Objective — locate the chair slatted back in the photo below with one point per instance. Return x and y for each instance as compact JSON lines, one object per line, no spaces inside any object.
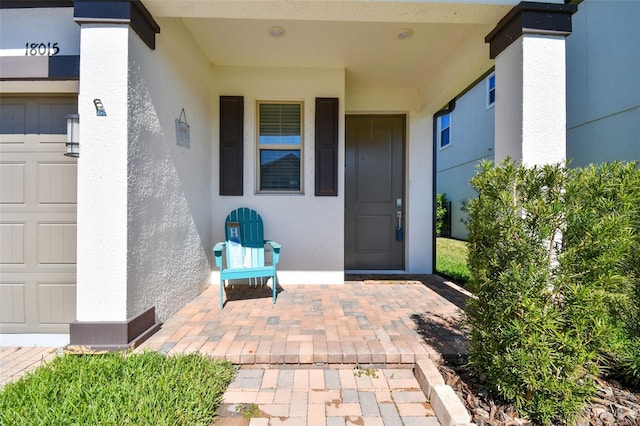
{"x":245,"y":238}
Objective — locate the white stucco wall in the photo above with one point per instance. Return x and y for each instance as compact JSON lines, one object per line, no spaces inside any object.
{"x":309,"y":228}
{"x":102,"y":174}
{"x":472,"y":135}
{"x":169,"y":196}
{"x":418,"y":166}
{"x":531,"y":101}
{"x":603,"y":88}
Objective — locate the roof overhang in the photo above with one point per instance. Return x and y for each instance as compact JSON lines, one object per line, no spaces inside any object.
{"x":445,"y":51}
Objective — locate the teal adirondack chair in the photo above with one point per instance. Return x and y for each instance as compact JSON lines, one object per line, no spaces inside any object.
{"x":244,"y":249}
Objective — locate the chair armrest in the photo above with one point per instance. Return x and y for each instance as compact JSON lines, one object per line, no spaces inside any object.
{"x":217,"y":251}
{"x":275,"y":246}
{"x":276,"y":250}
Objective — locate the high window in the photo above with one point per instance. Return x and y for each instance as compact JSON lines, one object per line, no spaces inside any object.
{"x":444,"y":130}
{"x":491,"y":90}
{"x":280,"y":146}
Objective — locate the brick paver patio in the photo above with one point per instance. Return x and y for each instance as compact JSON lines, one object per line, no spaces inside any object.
{"x":378,"y":322}
{"x":306,"y":360}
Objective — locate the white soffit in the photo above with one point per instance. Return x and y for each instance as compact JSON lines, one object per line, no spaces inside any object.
{"x":371,"y":53}
{"x":421,"y":11}
{"x":358,"y":35}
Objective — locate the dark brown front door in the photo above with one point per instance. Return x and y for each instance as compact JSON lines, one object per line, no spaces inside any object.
{"x":374,"y":192}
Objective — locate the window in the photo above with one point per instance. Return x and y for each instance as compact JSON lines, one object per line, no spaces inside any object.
{"x":444,"y":130}
{"x":491,"y":90}
{"x":279,"y":146}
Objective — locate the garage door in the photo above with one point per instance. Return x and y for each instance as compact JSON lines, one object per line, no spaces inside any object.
{"x":37,"y":216}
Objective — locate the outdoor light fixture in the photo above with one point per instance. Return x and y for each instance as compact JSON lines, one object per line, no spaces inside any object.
{"x":73,"y":130}
{"x":277,"y":32}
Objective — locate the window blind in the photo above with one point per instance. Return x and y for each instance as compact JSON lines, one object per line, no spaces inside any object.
{"x":280,"y":119}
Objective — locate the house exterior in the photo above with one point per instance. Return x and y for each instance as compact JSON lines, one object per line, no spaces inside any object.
{"x":603,"y":104}
{"x":317,"y":114}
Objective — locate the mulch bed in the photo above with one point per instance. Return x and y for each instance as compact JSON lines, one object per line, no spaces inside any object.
{"x":613,"y":404}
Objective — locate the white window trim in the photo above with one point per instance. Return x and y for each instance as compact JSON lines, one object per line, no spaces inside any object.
{"x":440,"y":129}
{"x":488,"y":89}
{"x":283,"y":147}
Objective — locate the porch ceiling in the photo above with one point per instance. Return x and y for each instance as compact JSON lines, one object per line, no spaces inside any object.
{"x":358,"y":35}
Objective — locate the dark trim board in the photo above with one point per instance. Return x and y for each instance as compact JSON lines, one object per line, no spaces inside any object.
{"x":143,"y":24}
{"x":530,"y":18}
{"x":126,"y":11}
{"x":113,"y":335}
{"x":64,"y":67}
{"x":102,"y":9}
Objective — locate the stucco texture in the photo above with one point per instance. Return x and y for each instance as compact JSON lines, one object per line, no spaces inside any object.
{"x":169,"y":231}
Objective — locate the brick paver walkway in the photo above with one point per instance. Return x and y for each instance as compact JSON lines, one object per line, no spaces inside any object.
{"x":382,"y":323}
{"x":326,"y":397}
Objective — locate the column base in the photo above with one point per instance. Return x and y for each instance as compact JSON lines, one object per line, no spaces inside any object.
{"x":113,"y":336}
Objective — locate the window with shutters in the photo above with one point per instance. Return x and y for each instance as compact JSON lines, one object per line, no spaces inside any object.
{"x":280,"y":147}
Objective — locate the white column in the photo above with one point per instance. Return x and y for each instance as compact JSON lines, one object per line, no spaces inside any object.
{"x":530,"y":119}
{"x":102,"y":173}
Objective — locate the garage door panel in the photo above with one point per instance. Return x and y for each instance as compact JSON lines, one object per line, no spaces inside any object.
{"x":57,"y":183}
{"x":51,"y":118}
{"x":13,"y":118}
{"x":12,"y":303}
{"x":57,"y":302}
{"x":57,"y":243}
{"x":12,"y":183}
{"x":12,"y":242}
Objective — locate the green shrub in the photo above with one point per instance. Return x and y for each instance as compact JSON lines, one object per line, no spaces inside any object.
{"x":600,"y":260}
{"x":552,"y":255}
{"x":118,"y":389}
{"x":441,"y":212}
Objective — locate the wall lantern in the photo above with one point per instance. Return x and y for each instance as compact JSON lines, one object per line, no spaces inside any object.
{"x":73,"y":130}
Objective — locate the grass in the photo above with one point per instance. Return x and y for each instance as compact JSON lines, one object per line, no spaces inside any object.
{"x":249,"y":411}
{"x":118,"y":389}
{"x":371,"y":372}
{"x":451,"y":259}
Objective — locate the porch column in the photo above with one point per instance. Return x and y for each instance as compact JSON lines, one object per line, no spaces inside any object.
{"x":102,"y":252}
{"x":528,"y":46}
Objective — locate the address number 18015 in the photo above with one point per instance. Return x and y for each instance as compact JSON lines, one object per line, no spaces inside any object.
{"x":41,"y":49}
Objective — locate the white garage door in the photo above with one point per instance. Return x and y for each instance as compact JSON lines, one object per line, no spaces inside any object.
{"x":37,"y":216}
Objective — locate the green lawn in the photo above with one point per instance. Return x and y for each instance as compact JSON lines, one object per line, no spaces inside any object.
{"x":451,"y":259}
{"x":118,"y":389}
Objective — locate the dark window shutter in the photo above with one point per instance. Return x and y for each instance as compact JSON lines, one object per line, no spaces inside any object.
{"x":326,"y":148}
{"x":231,"y":144}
